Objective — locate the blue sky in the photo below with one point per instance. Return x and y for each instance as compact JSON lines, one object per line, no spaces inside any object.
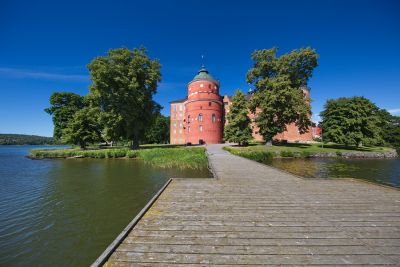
{"x":46,"y":45}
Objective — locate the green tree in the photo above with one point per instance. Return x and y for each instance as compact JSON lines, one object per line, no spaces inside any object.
{"x":392,"y":134}
{"x":158,"y":133}
{"x":112,"y":126}
{"x":83,"y":128}
{"x":238,"y":129}
{"x":124,"y":83}
{"x":278,"y":95}
{"x":390,"y":128}
{"x":351,"y":121}
{"x":63,"y":107}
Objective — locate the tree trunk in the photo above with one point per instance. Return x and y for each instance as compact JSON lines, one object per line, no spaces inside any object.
{"x":135,"y":143}
{"x":82,"y":145}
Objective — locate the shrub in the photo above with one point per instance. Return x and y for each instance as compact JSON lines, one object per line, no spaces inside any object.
{"x":132,"y":154}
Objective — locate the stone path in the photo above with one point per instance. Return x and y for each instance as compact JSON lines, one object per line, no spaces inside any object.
{"x":254,"y":215}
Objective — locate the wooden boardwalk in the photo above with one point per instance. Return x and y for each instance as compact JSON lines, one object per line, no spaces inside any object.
{"x":255,"y":215}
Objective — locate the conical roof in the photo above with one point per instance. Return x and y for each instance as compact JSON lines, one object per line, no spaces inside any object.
{"x":204,"y":75}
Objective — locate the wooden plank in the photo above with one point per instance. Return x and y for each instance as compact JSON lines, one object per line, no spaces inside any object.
{"x":253,"y":215}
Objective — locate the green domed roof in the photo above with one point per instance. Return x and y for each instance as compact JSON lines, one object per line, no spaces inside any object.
{"x":202,"y":75}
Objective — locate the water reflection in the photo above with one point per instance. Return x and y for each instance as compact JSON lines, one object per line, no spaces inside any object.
{"x":385,"y":171}
{"x":66,"y":212}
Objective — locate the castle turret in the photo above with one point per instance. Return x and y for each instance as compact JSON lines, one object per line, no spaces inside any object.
{"x":203,"y":110}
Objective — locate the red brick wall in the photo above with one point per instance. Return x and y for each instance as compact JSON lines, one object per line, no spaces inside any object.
{"x":204,"y":99}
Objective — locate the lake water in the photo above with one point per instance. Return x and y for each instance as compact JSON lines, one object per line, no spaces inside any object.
{"x":384,"y":171}
{"x":66,"y":212}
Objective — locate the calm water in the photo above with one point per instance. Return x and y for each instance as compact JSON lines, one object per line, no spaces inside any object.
{"x":66,"y":212}
{"x":385,"y":171}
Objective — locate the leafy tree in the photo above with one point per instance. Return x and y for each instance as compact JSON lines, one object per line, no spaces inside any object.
{"x":238,"y":129}
{"x":124,"y":83}
{"x":351,"y":121}
{"x":83,"y":128}
{"x":278,"y":95}
{"x":63,"y":107}
{"x":390,"y":128}
{"x":158,"y":133}
{"x":112,"y":126}
{"x":392,"y":133}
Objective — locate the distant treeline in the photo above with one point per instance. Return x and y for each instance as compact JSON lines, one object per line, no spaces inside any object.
{"x":22,"y":139}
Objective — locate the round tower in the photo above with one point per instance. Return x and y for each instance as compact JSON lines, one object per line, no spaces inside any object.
{"x":203,"y":110}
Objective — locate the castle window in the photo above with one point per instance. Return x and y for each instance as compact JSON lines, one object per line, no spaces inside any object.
{"x":189,"y":129}
{"x":201,"y":85}
{"x":180,"y":125}
{"x":200,"y":128}
{"x":174,"y":124}
{"x":213,"y":118}
{"x":200,"y":118}
{"x":209,"y":86}
{"x":188,"y":118}
{"x":209,"y":104}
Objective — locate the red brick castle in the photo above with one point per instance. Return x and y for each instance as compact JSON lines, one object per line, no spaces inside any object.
{"x":200,"y":117}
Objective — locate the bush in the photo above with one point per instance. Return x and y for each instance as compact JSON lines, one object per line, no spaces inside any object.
{"x":132,"y":154}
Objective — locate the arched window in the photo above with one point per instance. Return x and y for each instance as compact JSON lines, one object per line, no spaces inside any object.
{"x":200,"y":118}
{"x":189,"y":129}
{"x":213,"y":118}
{"x":188,"y":118}
{"x":200,"y":128}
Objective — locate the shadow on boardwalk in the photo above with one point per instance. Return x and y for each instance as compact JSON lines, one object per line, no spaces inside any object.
{"x":256,"y":215}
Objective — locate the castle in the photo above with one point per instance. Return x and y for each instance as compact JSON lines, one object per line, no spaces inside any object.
{"x":200,"y":117}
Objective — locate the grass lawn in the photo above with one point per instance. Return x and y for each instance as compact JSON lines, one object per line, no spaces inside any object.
{"x":163,"y":156}
{"x":260,"y":152}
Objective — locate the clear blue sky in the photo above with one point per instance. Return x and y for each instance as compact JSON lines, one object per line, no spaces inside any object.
{"x":46,"y":45}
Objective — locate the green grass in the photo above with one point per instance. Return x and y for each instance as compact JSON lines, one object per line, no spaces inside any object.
{"x":257,"y":155}
{"x":165,"y":157}
{"x":260,"y":152}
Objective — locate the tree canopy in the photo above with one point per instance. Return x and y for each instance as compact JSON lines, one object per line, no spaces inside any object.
{"x":351,"y":121}
{"x":278,"y":96}
{"x":158,"y":132}
{"x":390,"y":128}
{"x":238,"y":129}
{"x":124,"y":83}
{"x":83,"y":128}
{"x":63,"y":107}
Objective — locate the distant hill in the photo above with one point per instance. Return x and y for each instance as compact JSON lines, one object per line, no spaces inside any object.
{"x":23,"y":139}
